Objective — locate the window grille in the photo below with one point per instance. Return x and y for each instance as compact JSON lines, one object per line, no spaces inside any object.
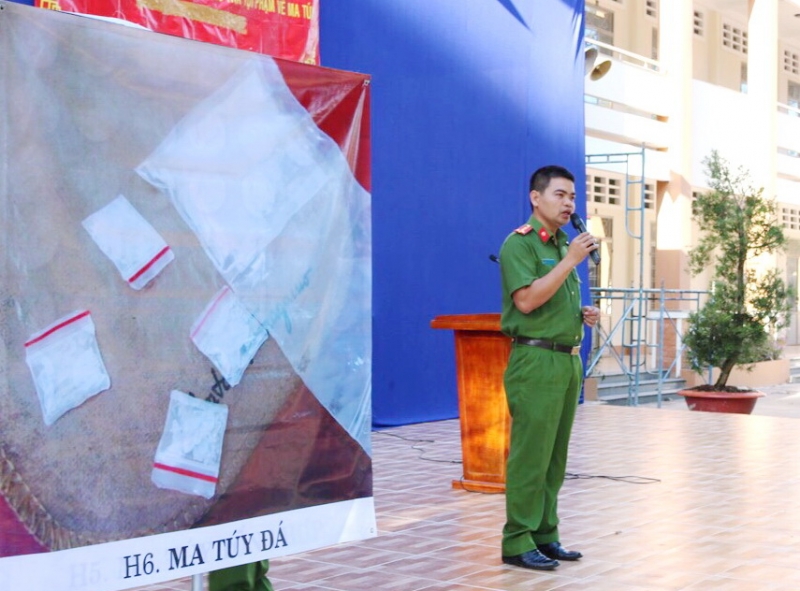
{"x":602,"y":189}
{"x":699,"y":23}
{"x":790,"y":218}
{"x":734,"y":38}
{"x":791,"y":60}
{"x":649,"y":196}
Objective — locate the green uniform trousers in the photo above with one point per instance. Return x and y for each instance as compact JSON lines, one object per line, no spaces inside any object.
{"x":246,"y":577}
{"x":542,"y":389}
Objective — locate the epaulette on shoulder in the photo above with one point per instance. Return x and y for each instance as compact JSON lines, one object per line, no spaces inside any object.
{"x":524,"y":229}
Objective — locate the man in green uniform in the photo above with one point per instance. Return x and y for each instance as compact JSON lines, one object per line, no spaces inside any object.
{"x":542,"y":312}
{"x":245,"y":577}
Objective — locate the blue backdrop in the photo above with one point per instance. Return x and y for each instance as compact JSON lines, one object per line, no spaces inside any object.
{"x":468,"y":98}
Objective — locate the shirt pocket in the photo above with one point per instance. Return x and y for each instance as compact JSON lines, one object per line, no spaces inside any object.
{"x":544,"y":266}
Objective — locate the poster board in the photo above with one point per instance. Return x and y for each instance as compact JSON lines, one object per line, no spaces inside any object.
{"x":250,"y":290}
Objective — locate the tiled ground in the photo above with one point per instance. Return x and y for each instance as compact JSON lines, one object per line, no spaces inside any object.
{"x":660,"y":500}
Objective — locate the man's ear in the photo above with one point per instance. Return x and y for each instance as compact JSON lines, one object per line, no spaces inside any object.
{"x":534,"y":197}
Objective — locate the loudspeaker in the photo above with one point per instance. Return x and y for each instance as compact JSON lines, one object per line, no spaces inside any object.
{"x":589,"y":56}
{"x":590,"y":68}
{"x":600,"y":70}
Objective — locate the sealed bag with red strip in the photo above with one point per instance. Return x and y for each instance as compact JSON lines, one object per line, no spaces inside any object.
{"x":188,"y":455}
{"x":66,"y":364}
{"x":228,"y":334}
{"x":138,"y":252}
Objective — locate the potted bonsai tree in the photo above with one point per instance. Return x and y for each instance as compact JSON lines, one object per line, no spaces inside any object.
{"x":746,"y":305}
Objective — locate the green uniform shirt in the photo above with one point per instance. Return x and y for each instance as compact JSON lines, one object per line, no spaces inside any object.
{"x":525,"y":257}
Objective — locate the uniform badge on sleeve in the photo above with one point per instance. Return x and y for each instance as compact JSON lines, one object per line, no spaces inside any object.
{"x":524,"y":229}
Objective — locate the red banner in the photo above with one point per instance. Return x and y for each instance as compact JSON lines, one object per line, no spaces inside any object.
{"x":288,"y":30}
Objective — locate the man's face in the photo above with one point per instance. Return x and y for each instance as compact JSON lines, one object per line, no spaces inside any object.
{"x":555,"y":204}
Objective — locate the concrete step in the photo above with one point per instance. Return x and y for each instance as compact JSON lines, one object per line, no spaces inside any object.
{"x":794,"y":370}
{"x":643,"y":398}
{"x":646,"y":380}
{"x":614,"y":388}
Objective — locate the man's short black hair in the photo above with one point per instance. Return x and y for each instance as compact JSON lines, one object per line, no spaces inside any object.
{"x":540,"y":179}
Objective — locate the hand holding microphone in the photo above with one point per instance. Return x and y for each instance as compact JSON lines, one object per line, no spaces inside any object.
{"x":578,"y":224}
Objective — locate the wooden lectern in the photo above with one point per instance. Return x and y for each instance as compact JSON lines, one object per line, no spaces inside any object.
{"x":481,"y":356}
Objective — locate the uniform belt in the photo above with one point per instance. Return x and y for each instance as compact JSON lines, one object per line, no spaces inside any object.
{"x":545,"y":344}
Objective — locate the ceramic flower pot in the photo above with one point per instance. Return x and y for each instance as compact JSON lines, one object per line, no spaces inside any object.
{"x":708,"y":400}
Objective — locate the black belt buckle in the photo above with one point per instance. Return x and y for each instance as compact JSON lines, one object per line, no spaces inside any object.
{"x":549,"y":345}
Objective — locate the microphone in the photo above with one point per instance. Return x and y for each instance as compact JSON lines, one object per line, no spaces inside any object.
{"x":494,"y":258}
{"x":578,"y":224}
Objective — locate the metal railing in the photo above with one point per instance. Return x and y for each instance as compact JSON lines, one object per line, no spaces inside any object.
{"x":627,"y":56}
{"x":640,"y":333}
{"x":788,"y":109}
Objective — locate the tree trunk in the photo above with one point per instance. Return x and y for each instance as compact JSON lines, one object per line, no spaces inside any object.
{"x":724,"y":373}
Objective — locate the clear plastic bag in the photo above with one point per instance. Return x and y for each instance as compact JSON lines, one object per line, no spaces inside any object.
{"x":66,"y":364}
{"x":188,"y":455}
{"x":228,"y":334}
{"x":138,"y":252}
{"x":277,"y":210}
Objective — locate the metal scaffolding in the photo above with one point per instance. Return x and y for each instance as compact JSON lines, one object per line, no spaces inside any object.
{"x":641,"y":350}
{"x":662,"y":311}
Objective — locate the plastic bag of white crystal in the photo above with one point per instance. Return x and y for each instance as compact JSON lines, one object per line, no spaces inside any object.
{"x":66,"y":364}
{"x":188,"y":455}
{"x":137,"y":250}
{"x":228,"y":334}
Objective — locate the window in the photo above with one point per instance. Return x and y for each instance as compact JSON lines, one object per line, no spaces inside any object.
{"x":599,"y":26}
{"x":654,"y":43}
{"x":743,"y":78}
{"x":699,"y":24}
{"x":734,"y":38}
{"x":652,"y":252}
{"x":605,"y":235}
{"x":793,"y":99}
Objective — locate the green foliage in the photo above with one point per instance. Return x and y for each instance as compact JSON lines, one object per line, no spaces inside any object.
{"x":739,"y":224}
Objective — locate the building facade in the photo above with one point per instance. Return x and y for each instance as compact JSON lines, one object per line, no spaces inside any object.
{"x":687,"y":77}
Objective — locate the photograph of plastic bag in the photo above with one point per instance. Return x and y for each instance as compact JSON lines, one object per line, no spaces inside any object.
{"x":268,"y":197}
{"x":110,"y":96}
{"x":228,"y":334}
{"x":66,"y":364}
{"x":188,"y":455}
{"x":138,"y":252}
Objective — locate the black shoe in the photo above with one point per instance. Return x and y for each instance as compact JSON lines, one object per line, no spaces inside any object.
{"x":531,"y":559}
{"x":555,"y":551}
